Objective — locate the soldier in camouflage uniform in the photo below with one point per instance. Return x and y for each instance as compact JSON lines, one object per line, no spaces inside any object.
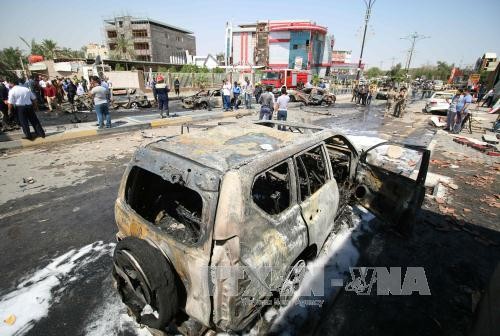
{"x":391,"y":96}
{"x":400,"y":103}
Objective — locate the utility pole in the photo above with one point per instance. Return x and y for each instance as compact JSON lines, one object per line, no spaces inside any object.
{"x":369,"y":4}
{"x":413,"y":38}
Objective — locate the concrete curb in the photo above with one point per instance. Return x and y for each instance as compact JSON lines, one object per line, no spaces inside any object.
{"x":70,"y":135}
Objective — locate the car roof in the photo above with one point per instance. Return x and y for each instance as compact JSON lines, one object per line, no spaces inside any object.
{"x":231,"y":146}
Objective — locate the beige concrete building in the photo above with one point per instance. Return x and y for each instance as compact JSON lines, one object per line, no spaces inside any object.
{"x":94,"y":49}
{"x":151,"y":40}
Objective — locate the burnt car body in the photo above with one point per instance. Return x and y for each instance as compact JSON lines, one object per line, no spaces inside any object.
{"x":128,"y":98}
{"x":193,"y":208}
{"x":312,"y":96}
{"x":204,"y":99}
{"x":382,"y":93}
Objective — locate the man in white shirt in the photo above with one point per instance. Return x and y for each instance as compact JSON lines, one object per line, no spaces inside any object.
{"x":100,"y":95}
{"x":226,"y":95}
{"x":21,"y":99}
{"x":282,"y":107}
{"x":248,"y":89}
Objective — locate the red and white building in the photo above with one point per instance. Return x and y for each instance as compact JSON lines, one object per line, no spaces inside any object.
{"x":299,"y":45}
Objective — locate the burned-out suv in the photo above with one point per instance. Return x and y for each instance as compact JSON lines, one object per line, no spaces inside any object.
{"x":202,"y":215}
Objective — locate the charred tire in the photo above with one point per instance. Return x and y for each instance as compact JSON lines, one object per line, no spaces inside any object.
{"x":292,"y":99}
{"x":144,"y":277}
{"x":134,"y":105}
{"x":203,"y":105}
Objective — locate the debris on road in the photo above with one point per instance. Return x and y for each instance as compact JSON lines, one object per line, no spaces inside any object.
{"x":437,"y":121}
{"x":28,"y":180}
{"x":10,"y":320}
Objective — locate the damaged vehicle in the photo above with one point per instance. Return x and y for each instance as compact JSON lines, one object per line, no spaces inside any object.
{"x":128,"y":98}
{"x":312,"y":96}
{"x":213,"y":222}
{"x":204,"y":99}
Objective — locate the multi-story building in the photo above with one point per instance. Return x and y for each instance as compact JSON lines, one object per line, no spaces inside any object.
{"x":342,"y":66}
{"x":150,"y":40}
{"x":286,"y":44}
{"x":92,"y":50}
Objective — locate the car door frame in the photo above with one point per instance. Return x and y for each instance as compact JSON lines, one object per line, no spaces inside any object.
{"x":372,"y":194}
{"x":317,"y":210}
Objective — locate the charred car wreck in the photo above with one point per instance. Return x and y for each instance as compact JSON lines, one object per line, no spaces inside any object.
{"x":312,"y":96}
{"x":194,"y":208}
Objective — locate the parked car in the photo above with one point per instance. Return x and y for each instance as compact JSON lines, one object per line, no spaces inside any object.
{"x":128,"y":98}
{"x":437,"y":102}
{"x":200,"y":215}
{"x":312,"y":96}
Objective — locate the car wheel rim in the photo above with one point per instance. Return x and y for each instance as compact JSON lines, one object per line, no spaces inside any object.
{"x":134,"y":286}
{"x":292,"y":282}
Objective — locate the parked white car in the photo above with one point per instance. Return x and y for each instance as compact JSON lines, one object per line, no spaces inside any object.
{"x":437,"y":102}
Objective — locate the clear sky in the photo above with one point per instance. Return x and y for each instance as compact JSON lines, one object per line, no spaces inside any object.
{"x":460,"y":31}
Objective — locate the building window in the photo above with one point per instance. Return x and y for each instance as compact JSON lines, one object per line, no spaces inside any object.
{"x":141,"y":46}
{"x":112,"y":33}
{"x":295,"y":47}
{"x":146,"y":58}
{"x":179,"y":39}
{"x":120,"y":24}
{"x":167,"y":36}
{"x":112,"y":46}
{"x":140,"y":33}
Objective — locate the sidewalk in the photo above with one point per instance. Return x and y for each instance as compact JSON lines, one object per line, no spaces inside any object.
{"x":66,"y":132}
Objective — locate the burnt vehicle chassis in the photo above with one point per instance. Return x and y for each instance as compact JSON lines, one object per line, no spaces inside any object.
{"x":313,"y":96}
{"x":192,"y":208}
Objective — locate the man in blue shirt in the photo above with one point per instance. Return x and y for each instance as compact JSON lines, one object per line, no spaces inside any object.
{"x":462,"y":105}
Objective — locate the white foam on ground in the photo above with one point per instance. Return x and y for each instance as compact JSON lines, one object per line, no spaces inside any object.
{"x":332,"y":264}
{"x":32,"y":298}
{"x":111,"y":318}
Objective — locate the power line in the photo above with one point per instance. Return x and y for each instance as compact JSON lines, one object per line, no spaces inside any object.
{"x":413,"y":38}
{"x":369,"y":4}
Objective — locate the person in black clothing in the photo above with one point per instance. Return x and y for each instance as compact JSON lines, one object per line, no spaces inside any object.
{"x":177,"y":85}
{"x":71,"y":92}
{"x":160,"y":91}
{"x":4,"y":95}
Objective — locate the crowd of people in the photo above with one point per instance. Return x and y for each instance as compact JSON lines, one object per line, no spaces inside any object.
{"x":21,"y":98}
{"x":362,"y":94}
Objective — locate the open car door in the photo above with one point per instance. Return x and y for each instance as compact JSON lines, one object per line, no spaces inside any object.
{"x":390,"y":181}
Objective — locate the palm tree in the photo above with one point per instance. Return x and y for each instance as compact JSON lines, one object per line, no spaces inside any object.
{"x":124,"y":48}
{"x":50,"y":48}
{"x":10,"y":59}
{"x":34,"y":47}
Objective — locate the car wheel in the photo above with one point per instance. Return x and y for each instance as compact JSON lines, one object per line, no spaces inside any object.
{"x":203,"y":105}
{"x":145,"y":281}
{"x":134,"y":105}
{"x":292,"y":99}
{"x":292,"y":282}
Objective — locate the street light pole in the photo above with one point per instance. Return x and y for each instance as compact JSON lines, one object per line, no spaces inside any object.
{"x":369,"y":4}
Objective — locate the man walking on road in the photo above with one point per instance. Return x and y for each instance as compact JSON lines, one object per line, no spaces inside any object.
{"x":248,"y":89}
{"x":100,"y":95}
{"x":462,"y":111}
{"x":266,"y":100}
{"x":177,"y":86}
{"x":282,"y":107}
{"x":161,"y":91}
{"x":50,"y":94}
{"x":22,"y":99}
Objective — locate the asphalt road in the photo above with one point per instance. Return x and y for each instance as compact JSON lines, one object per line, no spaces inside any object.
{"x":58,"y":235}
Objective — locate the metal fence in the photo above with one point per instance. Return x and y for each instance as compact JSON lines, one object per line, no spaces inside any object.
{"x":198,"y":80}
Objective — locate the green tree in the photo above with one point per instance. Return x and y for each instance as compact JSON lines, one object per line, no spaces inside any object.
{"x":10,"y":59}
{"x":119,"y":67}
{"x":374,"y":72}
{"x":218,"y":70}
{"x":49,"y":48}
{"x":124,"y":49}
{"x":396,"y":73}
{"x":34,"y":47}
